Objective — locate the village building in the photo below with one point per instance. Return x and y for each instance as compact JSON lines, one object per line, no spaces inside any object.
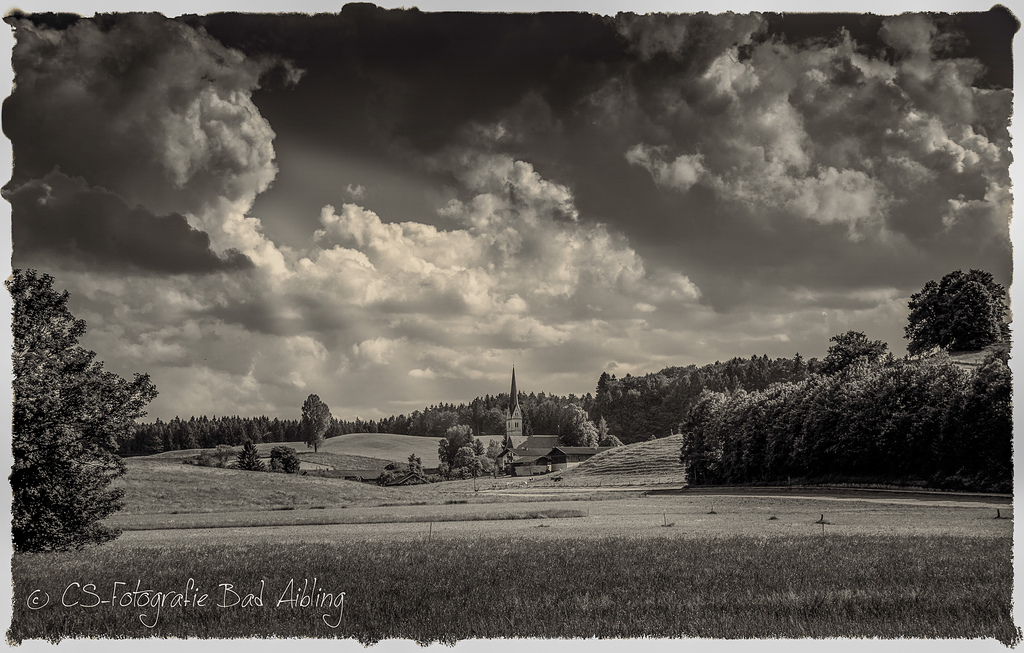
{"x":538,"y":454}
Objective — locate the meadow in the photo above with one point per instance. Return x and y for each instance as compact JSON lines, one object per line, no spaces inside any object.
{"x":490,"y":587}
{"x":617,"y":553}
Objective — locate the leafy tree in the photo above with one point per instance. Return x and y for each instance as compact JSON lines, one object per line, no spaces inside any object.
{"x":577,"y":430}
{"x":456,"y":437}
{"x":284,"y":459}
{"x":316,"y":417}
{"x":415,"y":463}
{"x":963,"y":311}
{"x":222,"y":455}
{"x":851,"y":347}
{"x":478,"y":447}
{"x":493,"y":449}
{"x":249,"y":458}
{"x":68,"y":419}
{"x":466,"y":460}
{"x":609,"y":441}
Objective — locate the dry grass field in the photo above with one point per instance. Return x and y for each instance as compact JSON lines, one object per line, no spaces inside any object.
{"x":604,"y":559}
{"x":449,"y":589}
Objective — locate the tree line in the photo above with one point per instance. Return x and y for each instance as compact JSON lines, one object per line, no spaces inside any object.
{"x":875,"y":420}
{"x":867,"y":416}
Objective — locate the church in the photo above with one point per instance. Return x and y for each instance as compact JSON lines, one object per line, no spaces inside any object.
{"x":538,"y":454}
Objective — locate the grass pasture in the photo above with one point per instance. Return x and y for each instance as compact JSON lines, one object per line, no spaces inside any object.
{"x":445,"y":589}
{"x":382,"y":445}
{"x":155,"y":485}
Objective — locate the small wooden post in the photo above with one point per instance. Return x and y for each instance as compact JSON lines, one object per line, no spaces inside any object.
{"x":664,"y":517}
{"x":431,"y":531}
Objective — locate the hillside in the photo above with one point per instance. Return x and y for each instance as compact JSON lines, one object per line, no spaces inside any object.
{"x":635,"y":464}
{"x":971,"y":360}
{"x":387,"y":446}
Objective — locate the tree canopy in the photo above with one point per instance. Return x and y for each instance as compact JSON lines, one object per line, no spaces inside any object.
{"x":68,"y":417}
{"x":962,"y":311}
{"x":316,"y":417}
{"x":851,"y":347}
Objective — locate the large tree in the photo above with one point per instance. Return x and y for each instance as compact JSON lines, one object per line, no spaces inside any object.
{"x":69,"y":417}
{"x":849,"y":348}
{"x":962,"y":311}
{"x":456,"y":437}
{"x":576,"y":429}
{"x":316,"y":417}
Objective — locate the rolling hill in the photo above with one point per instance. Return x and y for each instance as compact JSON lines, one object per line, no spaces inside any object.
{"x":360,"y":450}
{"x":643,"y":462}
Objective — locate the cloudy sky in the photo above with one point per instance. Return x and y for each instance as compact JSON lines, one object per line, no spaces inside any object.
{"x":388,"y":207}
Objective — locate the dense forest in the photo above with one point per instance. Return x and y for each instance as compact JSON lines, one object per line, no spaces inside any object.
{"x":883,"y":420}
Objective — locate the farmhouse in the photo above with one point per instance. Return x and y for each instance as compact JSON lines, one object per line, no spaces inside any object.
{"x":538,"y":454}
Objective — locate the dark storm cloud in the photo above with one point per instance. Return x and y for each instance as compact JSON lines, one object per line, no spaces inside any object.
{"x":824,"y":141}
{"x":420,"y":77}
{"x":64,"y":218}
{"x":148,"y":108}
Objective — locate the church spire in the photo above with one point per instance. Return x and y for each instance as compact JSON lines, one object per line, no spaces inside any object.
{"x":513,"y":401}
{"x":514,"y":414}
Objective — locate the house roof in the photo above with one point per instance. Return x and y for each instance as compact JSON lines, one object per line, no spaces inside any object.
{"x":581,"y":449}
{"x":410,"y":477}
{"x":529,"y":460}
{"x":539,"y":442}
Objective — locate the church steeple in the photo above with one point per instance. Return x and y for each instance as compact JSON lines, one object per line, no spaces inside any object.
{"x":513,"y":400}
{"x":514,"y":414}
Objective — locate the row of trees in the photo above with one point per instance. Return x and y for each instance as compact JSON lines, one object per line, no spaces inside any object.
{"x":208,"y":432}
{"x":868,"y":415}
{"x":878,"y":418}
{"x":637,"y":408}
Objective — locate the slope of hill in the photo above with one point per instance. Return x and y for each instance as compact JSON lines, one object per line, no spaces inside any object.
{"x":387,"y":446}
{"x":361,"y":450}
{"x":635,"y":464}
{"x":970,"y":360}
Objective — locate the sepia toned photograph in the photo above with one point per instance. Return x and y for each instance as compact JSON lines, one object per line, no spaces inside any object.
{"x":470,"y":328}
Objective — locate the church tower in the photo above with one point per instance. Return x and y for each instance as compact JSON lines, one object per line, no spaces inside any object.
{"x":513,"y":414}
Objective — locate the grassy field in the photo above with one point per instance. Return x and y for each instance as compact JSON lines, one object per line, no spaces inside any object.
{"x":156,"y":485}
{"x":381,"y":448}
{"x":327,"y":516}
{"x":384,"y":445}
{"x":616,"y":515}
{"x":451,"y":589}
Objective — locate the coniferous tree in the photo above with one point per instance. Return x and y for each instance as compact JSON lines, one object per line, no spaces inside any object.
{"x":249,"y":458}
{"x":69,"y":417}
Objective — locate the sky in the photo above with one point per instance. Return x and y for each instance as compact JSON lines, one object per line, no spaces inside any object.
{"x":388,"y":208}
